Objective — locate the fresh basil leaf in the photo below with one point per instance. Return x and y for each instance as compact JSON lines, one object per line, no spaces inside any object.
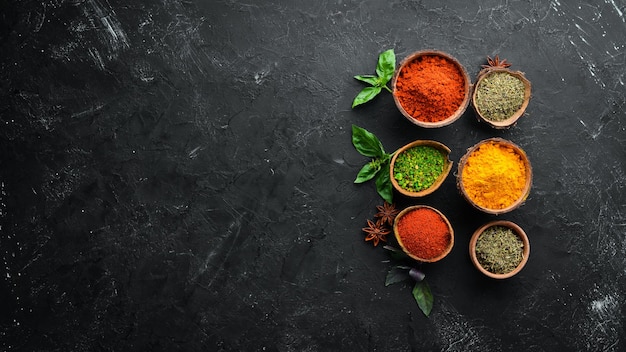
{"x":367,"y":173}
{"x":370,"y":79}
{"x":366,"y":142}
{"x":395,"y":275}
{"x":383,"y":183}
{"x":367,"y":94}
{"x":423,"y":296}
{"x":386,"y":66}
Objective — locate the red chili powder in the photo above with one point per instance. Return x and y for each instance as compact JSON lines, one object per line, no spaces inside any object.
{"x":430,"y":88}
{"x":424,"y":233}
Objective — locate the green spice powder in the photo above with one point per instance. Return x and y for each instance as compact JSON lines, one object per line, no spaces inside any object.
{"x":418,"y":168}
{"x":499,"y":250}
{"x":499,"y":96}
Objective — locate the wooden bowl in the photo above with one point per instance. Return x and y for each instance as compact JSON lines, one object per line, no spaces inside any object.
{"x":433,"y":259}
{"x":446,"y":168}
{"x":504,"y":124}
{"x":466,"y":83}
{"x":527,"y":184}
{"x":517,"y":230}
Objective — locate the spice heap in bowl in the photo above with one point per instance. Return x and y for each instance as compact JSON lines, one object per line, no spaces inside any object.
{"x":495,"y":176}
{"x":423,"y":233}
{"x":420,"y":167}
{"x":431,"y":88}
{"x":500,"y":95}
{"x":499,"y":249}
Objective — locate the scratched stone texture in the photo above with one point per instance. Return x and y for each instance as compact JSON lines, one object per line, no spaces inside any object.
{"x":178,"y":176}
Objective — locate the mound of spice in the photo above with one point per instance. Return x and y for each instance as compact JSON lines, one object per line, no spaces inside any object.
{"x":494,"y":176}
{"x":423,"y":233}
{"x":417,"y":168}
{"x":499,"y":250}
{"x":499,"y":96}
{"x":430,"y":88}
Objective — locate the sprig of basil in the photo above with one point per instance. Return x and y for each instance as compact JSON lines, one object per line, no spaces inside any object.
{"x":421,"y":291}
{"x":367,"y":144}
{"x":384,"y":70}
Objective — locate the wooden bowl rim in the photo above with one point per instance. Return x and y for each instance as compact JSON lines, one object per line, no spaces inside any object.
{"x":464,"y":104}
{"x":504,"y":124}
{"x":517,"y":230}
{"x":440,"y":179}
{"x":397,"y":235}
{"x":527,"y":186}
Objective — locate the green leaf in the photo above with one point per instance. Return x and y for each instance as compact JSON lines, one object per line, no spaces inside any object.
{"x":370,"y":79}
{"x":386,"y":66}
{"x":383,"y":183}
{"x":367,"y":173}
{"x":396,"y":253}
{"x":423,"y":296}
{"x":395,"y":275}
{"x":366,"y":142}
{"x":367,"y":94}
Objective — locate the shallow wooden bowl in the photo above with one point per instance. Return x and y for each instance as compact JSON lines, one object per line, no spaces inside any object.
{"x":527,"y":185}
{"x":517,"y":230}
{"x":446,"y":168}
{"x":504,"y":124}
{"x":459,"y":111}
{"x":443,"y":254}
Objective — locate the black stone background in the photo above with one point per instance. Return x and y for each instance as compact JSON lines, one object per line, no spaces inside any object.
{"x":177,"y":176}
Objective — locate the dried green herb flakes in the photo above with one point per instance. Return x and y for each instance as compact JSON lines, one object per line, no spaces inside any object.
{"x":499,"y":250}
{"x":417,"y":168}
{"x":499,"y":96}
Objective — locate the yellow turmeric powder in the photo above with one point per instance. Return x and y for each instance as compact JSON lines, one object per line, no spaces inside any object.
{"x":494,"y":176}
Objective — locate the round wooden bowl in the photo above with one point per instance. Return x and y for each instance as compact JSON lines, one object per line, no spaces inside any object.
{"x":517,"y":230}
{"x":504,"y":124}
{"x":446,"y":168}
{"x":459,"y":111}
{"x":527,"y":185}
{"x":440,"y":256}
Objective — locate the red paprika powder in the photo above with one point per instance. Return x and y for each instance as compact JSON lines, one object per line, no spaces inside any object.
{"x":430,"y":88}
{"x":423,"y":232}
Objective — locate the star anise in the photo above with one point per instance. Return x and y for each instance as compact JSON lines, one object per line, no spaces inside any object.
{"x":376,"y":232}
{"x":496,"y":62}
{"x":386,"y":213}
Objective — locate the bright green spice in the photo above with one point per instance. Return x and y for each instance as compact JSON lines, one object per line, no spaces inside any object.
{"x":499,"y":250}
{"x":499,"y":96}
{"x":417,"y":168}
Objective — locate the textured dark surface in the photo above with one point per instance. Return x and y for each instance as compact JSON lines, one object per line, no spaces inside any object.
{"x":177,"y":176}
